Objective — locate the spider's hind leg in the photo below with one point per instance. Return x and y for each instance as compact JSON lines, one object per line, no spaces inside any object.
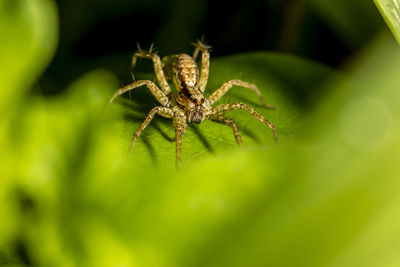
{"x":205,"y":63}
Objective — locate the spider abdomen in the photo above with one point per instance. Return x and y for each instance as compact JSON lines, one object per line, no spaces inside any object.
{"x":185,"y":71}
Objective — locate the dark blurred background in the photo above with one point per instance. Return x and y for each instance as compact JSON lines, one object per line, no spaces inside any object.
{"x":103,"y":34}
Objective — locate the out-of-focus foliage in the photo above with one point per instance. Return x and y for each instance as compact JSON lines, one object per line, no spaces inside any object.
{"x":327,"y":195}
{"x":352,"y":20}
{"x":28,"y":38}
{"x":390,"y":10}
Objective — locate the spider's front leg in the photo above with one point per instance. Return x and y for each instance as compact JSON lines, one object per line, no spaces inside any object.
{"x":221,"y":109}
{"x":214,"y":97}
{"x":162,"y":81}
{"x":163,"y":111}
{"x":157,"y":93}
{"x":230,"y":122}
{"x":205,"y":63}
{"x":180,"y":128}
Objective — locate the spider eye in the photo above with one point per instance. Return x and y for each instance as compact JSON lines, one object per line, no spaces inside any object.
{"x":195,"y":100}
{"x":202,"y":100}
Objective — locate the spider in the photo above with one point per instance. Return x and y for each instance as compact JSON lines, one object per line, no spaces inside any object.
{"x":188,"y":104}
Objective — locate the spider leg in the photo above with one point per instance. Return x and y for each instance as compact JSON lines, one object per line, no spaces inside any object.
{"x":220,"y":109}
{"x":229,"y":84}
{"x":158,"y":94}
{"x":230,"y":122}
{"x":163,"y":111}
{"x":205,"y":63}
{"x":157,"y":67}
{"x":180,"y":128}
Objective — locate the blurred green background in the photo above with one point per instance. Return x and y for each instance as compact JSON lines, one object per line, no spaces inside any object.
{"x":328,"y":195}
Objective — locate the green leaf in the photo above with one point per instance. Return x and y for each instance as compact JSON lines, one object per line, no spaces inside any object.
{"x":285,"y":81}
{"x":28,"y":31}
{"x":327,"y":195}
{"x":390,"y":11}
{"x":141,"y":211}
{"x":28,"y":37}
{"x":318,"y":199}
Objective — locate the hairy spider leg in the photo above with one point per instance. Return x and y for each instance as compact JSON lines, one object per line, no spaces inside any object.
{"x":157,"y":93}
{"x":214,"y":97}
{"x":221,"y":109}
{"x":205,"y":63}
{"x":229,"y":122}
{"x":180,"y":128}
{"x":163,"y":111}
{"x":157,"y":68}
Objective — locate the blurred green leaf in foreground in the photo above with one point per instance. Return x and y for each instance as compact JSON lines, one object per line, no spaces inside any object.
{"x":327,"y":195}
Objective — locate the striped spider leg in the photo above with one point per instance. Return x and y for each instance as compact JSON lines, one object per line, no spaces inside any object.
{"x":219,"y":110}
{"x":160,"y":95}
{"x":214,"y":97}
{"x":205,"y":63}
{"x":163,"y":110}
{"x":158,"y":70}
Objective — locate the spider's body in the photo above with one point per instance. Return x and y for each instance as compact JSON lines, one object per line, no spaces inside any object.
{"x":188,"y":104}
{"x":185,"y":76}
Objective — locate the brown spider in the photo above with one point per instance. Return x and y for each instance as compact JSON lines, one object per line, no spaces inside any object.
{"x":189,"y":103}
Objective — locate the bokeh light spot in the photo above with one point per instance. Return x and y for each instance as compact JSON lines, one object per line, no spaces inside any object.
{"x":365,"y":123}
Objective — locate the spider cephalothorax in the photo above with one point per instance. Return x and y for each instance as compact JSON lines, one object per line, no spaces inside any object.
{"x":185,"y":76}
{"x":188,"y":104}
{"x":195,"y":105}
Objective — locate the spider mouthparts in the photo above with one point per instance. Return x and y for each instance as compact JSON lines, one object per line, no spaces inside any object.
{"x":195,"y":119}
{"x":196,"y":116}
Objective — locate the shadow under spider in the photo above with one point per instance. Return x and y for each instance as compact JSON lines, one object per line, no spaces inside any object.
{"x":155,"y":124}
{"x":254,"y":104}
{"x":150,"y":148}
{"x":136,"y":106}
{"x":206,"y":144}
{"x":249,"y":133}
{"x":144,"y":136}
